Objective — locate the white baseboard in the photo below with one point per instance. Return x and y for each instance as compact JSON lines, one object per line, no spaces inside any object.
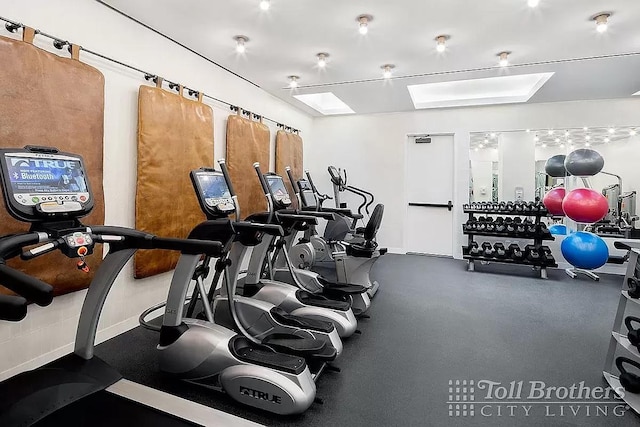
{"x":102,"y":335}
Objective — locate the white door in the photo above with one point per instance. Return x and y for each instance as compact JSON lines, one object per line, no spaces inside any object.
{"x":429,"y":192}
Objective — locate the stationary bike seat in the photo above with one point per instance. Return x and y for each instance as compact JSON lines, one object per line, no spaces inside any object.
{"x":304,"y":347}
{"x":301,"y":322}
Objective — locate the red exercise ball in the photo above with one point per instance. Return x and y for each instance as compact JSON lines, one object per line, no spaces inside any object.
{"x":553,"y":201}
{"x":585,"y":205}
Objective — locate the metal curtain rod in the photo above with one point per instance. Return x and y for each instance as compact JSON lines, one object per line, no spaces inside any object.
{"x":59,"y":43}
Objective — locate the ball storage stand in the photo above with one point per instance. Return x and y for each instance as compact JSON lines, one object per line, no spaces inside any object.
{"x":619,"y":336}
{"x":520,"y":209}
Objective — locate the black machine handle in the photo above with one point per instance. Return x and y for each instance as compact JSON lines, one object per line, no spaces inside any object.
{"x":12,"y":308}
{"x":263,"y":182}
{"x":26,"y":286}
{"x":448,"y":205}
{"x":227,"y":177}
{"x":315,"y":189}
{"x":329,"y":216}
{"x":296,"y":190}
{"x":270,"y":229}
{"x":296,"y":217}
{"x":188,"y":246}
{"x":622,"y":360}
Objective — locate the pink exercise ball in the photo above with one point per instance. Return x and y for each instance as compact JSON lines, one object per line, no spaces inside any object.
{"x":585,"y":205}
{"x":553,"y":201}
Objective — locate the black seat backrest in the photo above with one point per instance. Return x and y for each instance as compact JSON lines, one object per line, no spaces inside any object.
{"x":374,"y":222}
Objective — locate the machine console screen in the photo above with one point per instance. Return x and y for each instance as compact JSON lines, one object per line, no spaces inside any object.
{"x":51,"y":184}
{"x":214,"y":192}
{"x":306,"y":193}
{"x":278,"y":189}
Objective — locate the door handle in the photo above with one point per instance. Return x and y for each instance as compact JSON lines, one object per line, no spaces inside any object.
{"x":447,"y":205}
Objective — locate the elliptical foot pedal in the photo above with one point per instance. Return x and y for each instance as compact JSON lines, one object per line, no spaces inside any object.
{"x":364,"y":316}
{"x":358,"y":331}
{"x":318,"y":401}
{"x":333,"y":368}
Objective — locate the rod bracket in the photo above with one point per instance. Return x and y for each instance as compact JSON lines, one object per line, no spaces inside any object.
{"x":12,"y":27}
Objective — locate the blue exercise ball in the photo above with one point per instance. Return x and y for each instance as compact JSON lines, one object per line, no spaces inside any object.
{"x":558,"y":229}
{"x":585,"y":250}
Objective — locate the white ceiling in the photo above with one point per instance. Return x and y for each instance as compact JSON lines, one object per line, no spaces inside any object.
{"x":285,"y":40}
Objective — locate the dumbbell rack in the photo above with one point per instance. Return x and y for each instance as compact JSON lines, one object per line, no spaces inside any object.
{"x":619,"y":337}
{"x":537,"y":238}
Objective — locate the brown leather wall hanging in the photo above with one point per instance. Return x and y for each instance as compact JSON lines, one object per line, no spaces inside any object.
{"x":289,"y":152}
{"x":49,"y":100}
{"x":247,"y":142}
{"x":175,"y":136}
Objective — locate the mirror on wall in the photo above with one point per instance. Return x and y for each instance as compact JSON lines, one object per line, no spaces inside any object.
{"x":510,"y":165}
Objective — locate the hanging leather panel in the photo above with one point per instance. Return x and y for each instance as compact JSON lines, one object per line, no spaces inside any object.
{"x":289,"y":152}
{"x":247,"y":142}
{"x":175,"y":136}
{"x":49,"y":100}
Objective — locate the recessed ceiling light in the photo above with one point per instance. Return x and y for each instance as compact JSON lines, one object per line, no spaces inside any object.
{"x":492,"y":134}
{"x":486,"y":91}
{"x":533,"y":3}
{"x":586,"y":144}
{"x":486,"y":141}
{"x":322,"y":59}
{"x":265,"y":4}
{"x":632,"y":132}
{"x":544,"y":145}
{"x":607,"y":140}
{"x":612,"y":130}
{"x":293,"y":81}
{"x":561,"y":145}
{"x":557,"y":140}
{"x":387,"y":70}
{"x":602,"y":21}
{"x":326,"y":103}
{"x":536,"y":138}
{"x":588,"y":137}
{"x":504,"y":59}
{"x":481,"y":146}
{"x":441,"y":43}
{"x":528,"y":130}
{"x":550,"y":132}
{"x":585,"y":128}
{"x":566,"y":133}
{"x":475,"y":149}
{"x":570,"y":141}
{"x":240,"y":43}
{"x":363,"y":23}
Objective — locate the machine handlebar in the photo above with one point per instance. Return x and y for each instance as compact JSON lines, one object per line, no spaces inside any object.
{"x":26,"y":286}
{"x":12,"y":308}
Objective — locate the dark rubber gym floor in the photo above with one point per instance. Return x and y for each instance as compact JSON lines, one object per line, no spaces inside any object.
{"x":433,"y":322}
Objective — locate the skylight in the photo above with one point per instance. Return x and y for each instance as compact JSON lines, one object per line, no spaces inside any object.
{"x":493,"y":90}
{"x":326,"y":103}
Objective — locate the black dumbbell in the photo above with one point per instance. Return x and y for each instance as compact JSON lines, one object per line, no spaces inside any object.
{"x":532,"y":254}
{"x":531,"y":229}
{"x":502,"y":206}
{"x":510,"y":224}
{"x":487,"y":250}
{"x":500,"y":225}
{"x":510,"y":207}
{"x":514,"y":252}
{"x":491,"y":225}
{"x":473,"y":249}
{"x":547,"y":256}
{"x":499,"y":250}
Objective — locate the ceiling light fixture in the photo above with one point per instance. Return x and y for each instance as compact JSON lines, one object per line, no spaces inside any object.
{"x":322,"y":59}
{"x":566,"y":133}
{"x":557,"y":140}
{"x":363,"y":23}
{"x":533,"y":3}
{"x":544,"y":145}
{"x":293,"y":81}
{"x":612,"y":130}
{"x":486,"y":141}
{"x":481,"y":146}
{"x":441,"y":43}
{"x":240,"y":43}
{"x":606,"y":140}
{"x":528,"y":130}
{"x":588,"y":137}
{"x":550,"y":132}
{"x":586,"y":144}
{"x":265,"y":4}
{"x":561,"y":145}
{"x":536,"y":139}
{"x":632,"y":132}
{"x":492,"y":135}
{"x":386,"y":70}
{"x":585,"y":128}
{"x":602,"y":21}
{"x":504,"y":59}
{"x":570,"y":141}
{"x":475,"y":149}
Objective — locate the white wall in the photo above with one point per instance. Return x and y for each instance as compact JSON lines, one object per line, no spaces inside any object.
{"x":482,"y":171}
{"x":48,"y":333}
{"x":372,"y":146}
{"x":516,"y":166}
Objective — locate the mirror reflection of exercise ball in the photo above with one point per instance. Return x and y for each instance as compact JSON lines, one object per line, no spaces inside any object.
{"x":584,"y":162}
{"x":554,"y":167}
